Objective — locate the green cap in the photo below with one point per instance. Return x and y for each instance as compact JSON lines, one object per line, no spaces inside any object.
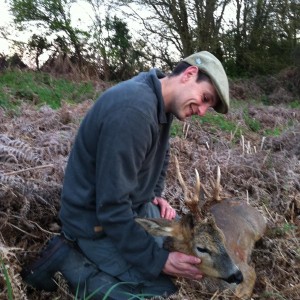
{"x":212,"y":67}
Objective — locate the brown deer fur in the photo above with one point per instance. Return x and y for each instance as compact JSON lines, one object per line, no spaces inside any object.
{"x":223,"y":236}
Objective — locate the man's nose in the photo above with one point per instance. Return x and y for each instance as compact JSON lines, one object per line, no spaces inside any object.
{"x":202,"y":110}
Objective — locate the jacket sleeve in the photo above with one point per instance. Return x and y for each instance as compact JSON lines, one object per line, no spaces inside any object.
{"x":117,"y":167}
{"x":161,"y":181}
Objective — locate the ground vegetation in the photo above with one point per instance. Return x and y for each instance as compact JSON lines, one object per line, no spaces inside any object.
{"x":256,"y":145}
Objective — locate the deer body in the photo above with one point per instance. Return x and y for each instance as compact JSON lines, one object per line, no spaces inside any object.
{"x":223,"y":237}
{"x":242,"y":226}
{"x":224,"y":243}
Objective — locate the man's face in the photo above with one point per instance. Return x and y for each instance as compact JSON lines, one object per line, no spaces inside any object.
{"x":191,"y":97}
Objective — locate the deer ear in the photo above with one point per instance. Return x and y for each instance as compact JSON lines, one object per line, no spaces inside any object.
{"x":157,"y":227}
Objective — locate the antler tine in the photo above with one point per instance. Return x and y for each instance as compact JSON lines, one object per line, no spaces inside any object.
{"x":181,"y":181}
{"x":195,"y":206}
{"x":217,"y":186}
{"x":192,"y":204}
{"x":197,"y":187}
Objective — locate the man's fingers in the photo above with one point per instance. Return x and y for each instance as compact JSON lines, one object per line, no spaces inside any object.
{"x":182,"y":265}
{"x":168,"y":213}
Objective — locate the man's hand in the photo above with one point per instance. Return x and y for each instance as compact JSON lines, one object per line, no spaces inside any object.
{"x":182,"y":265}
{"x":166,"y":210}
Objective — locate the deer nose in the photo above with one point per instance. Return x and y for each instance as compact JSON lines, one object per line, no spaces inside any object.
{"x":236,"y":277}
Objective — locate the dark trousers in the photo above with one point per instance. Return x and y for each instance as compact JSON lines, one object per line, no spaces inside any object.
{"x":111,"y":275}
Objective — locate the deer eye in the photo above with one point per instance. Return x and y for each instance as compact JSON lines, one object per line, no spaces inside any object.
{"x":203,"y":250}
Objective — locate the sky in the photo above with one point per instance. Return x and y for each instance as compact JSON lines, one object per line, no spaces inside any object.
{"x":79,"y":13}
{"x":5,"y":19}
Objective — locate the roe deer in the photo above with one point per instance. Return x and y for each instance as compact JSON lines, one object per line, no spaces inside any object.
{"x":223,"y":239}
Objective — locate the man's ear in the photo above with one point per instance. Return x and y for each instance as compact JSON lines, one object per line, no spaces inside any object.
{"x":189,"y":73}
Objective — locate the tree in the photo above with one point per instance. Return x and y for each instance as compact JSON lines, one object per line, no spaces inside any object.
{"x":52,"y":15}
{"x":112,"y":46}
{"x":188,"y":25}
{"x":38,"y":44}
{"x":263,"y":37}
{"x":118,"y":47}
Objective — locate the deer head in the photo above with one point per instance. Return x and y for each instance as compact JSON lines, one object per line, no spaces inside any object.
{"x":196,"y":234}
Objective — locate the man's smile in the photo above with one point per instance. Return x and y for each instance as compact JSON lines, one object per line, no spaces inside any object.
{"x":191,"y":110}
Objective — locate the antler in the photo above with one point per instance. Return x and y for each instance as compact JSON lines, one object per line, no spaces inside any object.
{"x":181,"y":181}
{"x":216,"y":186}
{"x":191,"y":200}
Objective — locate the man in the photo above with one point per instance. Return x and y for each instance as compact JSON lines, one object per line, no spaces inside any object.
{"x":116,"y":172}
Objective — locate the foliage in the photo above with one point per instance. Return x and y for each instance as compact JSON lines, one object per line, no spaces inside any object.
{"x":249,"y":37}
{"x":120,"y":53}
{"x":258,"y":37}
{"x":176,"y":129}
{"x":7,"y":279}
{"x":40,"y":88}
{"x":273,"y":132}
{"x":107,"y":294}
{"x":251,"y":122}
{"x":295,"y":104}
{"x":217,"y":120}
{"x":55,"y":17}
{"x":284,"y":230}
{"x":36,"y":146}
{"x":38,"y":44}
{"x":112,"y":47}
{"x":187,"y":25}
{"x":263,"y":37}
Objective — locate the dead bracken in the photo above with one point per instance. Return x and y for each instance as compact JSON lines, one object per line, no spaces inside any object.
{"x":265,"y":171}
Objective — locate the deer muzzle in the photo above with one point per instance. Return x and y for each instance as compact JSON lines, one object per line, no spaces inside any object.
{"x":236,"y":277}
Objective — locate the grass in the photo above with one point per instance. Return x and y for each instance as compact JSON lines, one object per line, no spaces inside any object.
{"x":214,"y":120}
{"x":40,"y":88}
{"x":284,"y":230}
{"x":273,"y":296}
{"x":176,"y":128}
{"x":295,"y":104}
{"x":110,"y":290}
{"x":7,"y":280}
{"x":253,"y":124}
{"x":217,"y":120}
{"x":273,"y":132}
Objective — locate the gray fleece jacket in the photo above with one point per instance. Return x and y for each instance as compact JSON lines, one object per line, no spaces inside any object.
{"x":117,"y":164}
